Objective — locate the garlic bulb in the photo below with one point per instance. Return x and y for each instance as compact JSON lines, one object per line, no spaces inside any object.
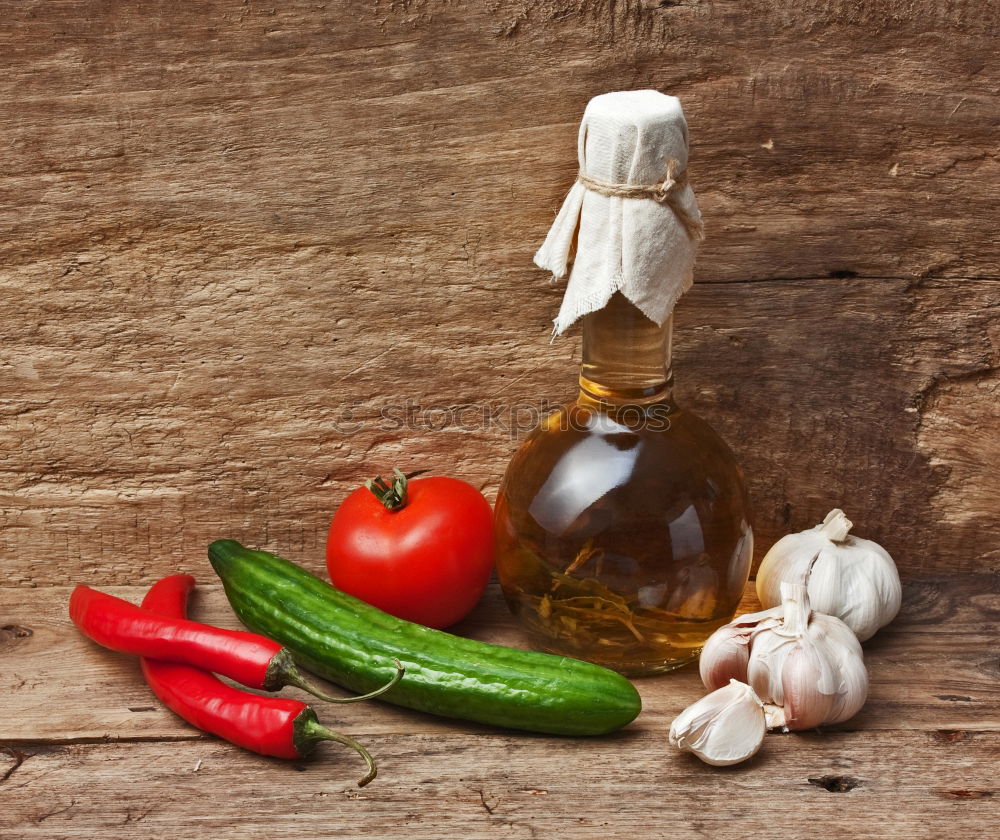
{"x":724,"y":727}
{"x":806,"y":667}
{"x":848,"y":577}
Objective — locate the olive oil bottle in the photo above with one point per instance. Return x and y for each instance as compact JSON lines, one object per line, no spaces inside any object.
{"x":622,"y":523}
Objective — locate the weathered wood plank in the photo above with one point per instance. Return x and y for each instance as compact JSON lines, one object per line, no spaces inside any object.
{"x":935,"y":668}
{"x":135,"y":437}
{"x":825,"y":138}
{"x":915,"y":785}
{"x":221,"y":244}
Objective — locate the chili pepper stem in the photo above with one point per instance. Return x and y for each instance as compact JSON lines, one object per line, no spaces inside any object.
{"x":291,"y":676}
{"x":309,"y":730}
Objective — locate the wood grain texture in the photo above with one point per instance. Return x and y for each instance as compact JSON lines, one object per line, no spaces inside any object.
{"x":209,"y":226}
{"x":922,"y":753}
{"x":230,"y":232}
{"x":251,"y":254}
{"x":935,"y":668}
{"x":127,"y":456}
{"x":918,"y":786}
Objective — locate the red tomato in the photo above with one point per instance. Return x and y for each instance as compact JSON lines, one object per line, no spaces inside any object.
{"x":428,"y":561}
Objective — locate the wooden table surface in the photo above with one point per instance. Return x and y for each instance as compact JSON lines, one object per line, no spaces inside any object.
{"x":89,"y":752}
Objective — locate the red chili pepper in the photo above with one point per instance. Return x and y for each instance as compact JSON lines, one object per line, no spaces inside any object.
{"x":277,"y":726}
{"x":251,"y":660}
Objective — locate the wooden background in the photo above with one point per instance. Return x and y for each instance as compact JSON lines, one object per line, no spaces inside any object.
{"x":233,"y":234}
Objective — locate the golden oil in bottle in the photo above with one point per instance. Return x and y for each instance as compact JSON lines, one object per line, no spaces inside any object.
{"x":622,"y":523}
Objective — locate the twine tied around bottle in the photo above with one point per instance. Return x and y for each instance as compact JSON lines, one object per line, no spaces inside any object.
{"x":662,"y":193}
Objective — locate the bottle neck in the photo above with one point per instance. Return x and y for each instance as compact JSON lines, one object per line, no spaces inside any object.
{"x":626,"y":357}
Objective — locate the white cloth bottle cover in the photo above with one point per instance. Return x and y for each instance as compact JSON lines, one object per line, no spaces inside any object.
{"x":631,"y":214}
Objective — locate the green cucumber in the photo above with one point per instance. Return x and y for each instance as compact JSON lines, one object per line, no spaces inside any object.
{"x":353,"y":644}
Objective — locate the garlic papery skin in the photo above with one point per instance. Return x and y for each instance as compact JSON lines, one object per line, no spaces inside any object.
{"x":850,"y":578}
{"x":723,"y":728}
{"x":807,"y":668}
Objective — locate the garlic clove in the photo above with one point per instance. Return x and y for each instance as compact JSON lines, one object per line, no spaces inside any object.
{"x":836,"y":635}
{"x":724,"y":657}
{"x":695,"y":592}
{"x":809,"y":687}
{"x":725,"y":654}
{"x":853,"y":693}
{"x":767,"y":656}
{"x":827,"y":583}
{"x":844,"y":652}
{"x":722,"y":728}
{"x":866,"y":594}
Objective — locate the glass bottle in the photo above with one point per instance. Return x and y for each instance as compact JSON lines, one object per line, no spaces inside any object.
{"x":622,"y":523}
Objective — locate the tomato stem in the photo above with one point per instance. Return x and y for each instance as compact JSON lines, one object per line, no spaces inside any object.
{"x":391,"y":495}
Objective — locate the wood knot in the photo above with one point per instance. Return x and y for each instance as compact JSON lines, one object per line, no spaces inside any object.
{"x":966,"y":794}
{"x":926,"y":602}
{"x":990,"y":667}
{"x":836,"y":784}
{"x":949,"y":736}
{"x":12,"y":632}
